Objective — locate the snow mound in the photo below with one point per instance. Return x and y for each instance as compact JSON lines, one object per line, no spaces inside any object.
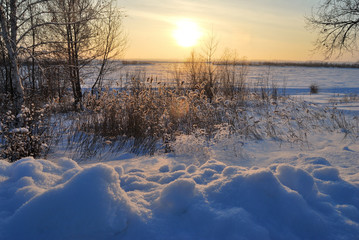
{"x":40,"y":199}
{"x":90,"y":203}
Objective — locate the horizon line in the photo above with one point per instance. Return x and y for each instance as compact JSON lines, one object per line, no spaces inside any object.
{"x":173,"y":60}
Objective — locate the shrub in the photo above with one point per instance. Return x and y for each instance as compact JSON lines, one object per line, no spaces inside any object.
{"x":314,"y":88}
{"x":31,"y":139}
{"x":147,"y":119}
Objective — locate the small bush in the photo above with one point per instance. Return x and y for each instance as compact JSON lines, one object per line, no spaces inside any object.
{"x":314,"y":88}
{"x":31,"y":139}
{"x":145,"y":120}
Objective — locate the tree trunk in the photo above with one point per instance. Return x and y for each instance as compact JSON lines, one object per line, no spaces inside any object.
{"x":17,"y":86}
{"x":9,"y":35}
{"x":15,"y":77}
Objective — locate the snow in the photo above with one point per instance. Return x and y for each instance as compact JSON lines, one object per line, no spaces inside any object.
{"x":169,"y":197}
{"x":333,"y":83}
{"x":222,"y":189}
{"x":20,"y":130}
{"x":62,"y":201}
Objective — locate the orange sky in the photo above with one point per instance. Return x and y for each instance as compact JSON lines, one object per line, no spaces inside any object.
{"x":256,"y":29}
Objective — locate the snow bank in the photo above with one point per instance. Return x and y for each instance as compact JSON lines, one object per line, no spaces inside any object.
{"x":53,"y":201}
{"x":40,"y":199}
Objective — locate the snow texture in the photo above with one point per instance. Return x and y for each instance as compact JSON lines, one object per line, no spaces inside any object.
{"x":60,"y":199}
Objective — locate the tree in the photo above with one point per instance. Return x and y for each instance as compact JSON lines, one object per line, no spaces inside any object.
{"x":201,"y":71}
{"x":9,"y":33}
{"x":20,"y":22}
{"x":72,"y":31}
{"x":194,"y":68}
{"x":209,"y":49}
{"x":338,"y":25}
{"x":86,"y":30}
{"x":5,"y":70}
{"x":112,"y":41}
{"x":75,"y":32}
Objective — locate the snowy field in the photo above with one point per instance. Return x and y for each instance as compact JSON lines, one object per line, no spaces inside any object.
{"x":333,"y":83}
{"x":223,"y":189}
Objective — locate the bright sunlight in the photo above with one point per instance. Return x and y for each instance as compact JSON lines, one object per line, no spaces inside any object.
{"x":187,"y":33}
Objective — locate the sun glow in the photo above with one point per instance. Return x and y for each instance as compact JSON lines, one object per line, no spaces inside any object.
{"x":187,"y":33}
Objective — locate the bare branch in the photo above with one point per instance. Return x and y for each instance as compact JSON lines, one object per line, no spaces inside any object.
{"x":337,"y":23}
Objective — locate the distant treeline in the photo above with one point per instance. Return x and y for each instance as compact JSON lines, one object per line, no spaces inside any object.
{"x":257,"y":63}
{"x":136,"y":62}
{"x":295,"y":64}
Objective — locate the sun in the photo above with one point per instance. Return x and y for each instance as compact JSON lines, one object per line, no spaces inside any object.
{"x":187,"y":33}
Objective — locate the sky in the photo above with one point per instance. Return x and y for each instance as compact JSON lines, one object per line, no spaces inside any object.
{"x":255,"y":30}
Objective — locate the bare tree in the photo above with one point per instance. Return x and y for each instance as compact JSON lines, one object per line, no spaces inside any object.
{"x":9,"y":33}
{"x":338,"y":25}
{"x":18,"y":25}
{"x":72,"y":31}
{"x":209,"y":50}
{"x":6,"y":85}
{"x":112,"y":41}
{"x":200,"y":68}
{"x":194,"y":69}
{"x":86,"y":30}
{"x":232,"y":74}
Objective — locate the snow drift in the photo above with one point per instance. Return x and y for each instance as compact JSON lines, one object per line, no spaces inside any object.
{"x":40,"y":199}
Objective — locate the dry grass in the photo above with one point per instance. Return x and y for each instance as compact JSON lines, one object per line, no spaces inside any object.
{"x":148,"y":117}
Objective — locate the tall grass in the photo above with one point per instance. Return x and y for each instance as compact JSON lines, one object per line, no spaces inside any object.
{"x":148,"y":117}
